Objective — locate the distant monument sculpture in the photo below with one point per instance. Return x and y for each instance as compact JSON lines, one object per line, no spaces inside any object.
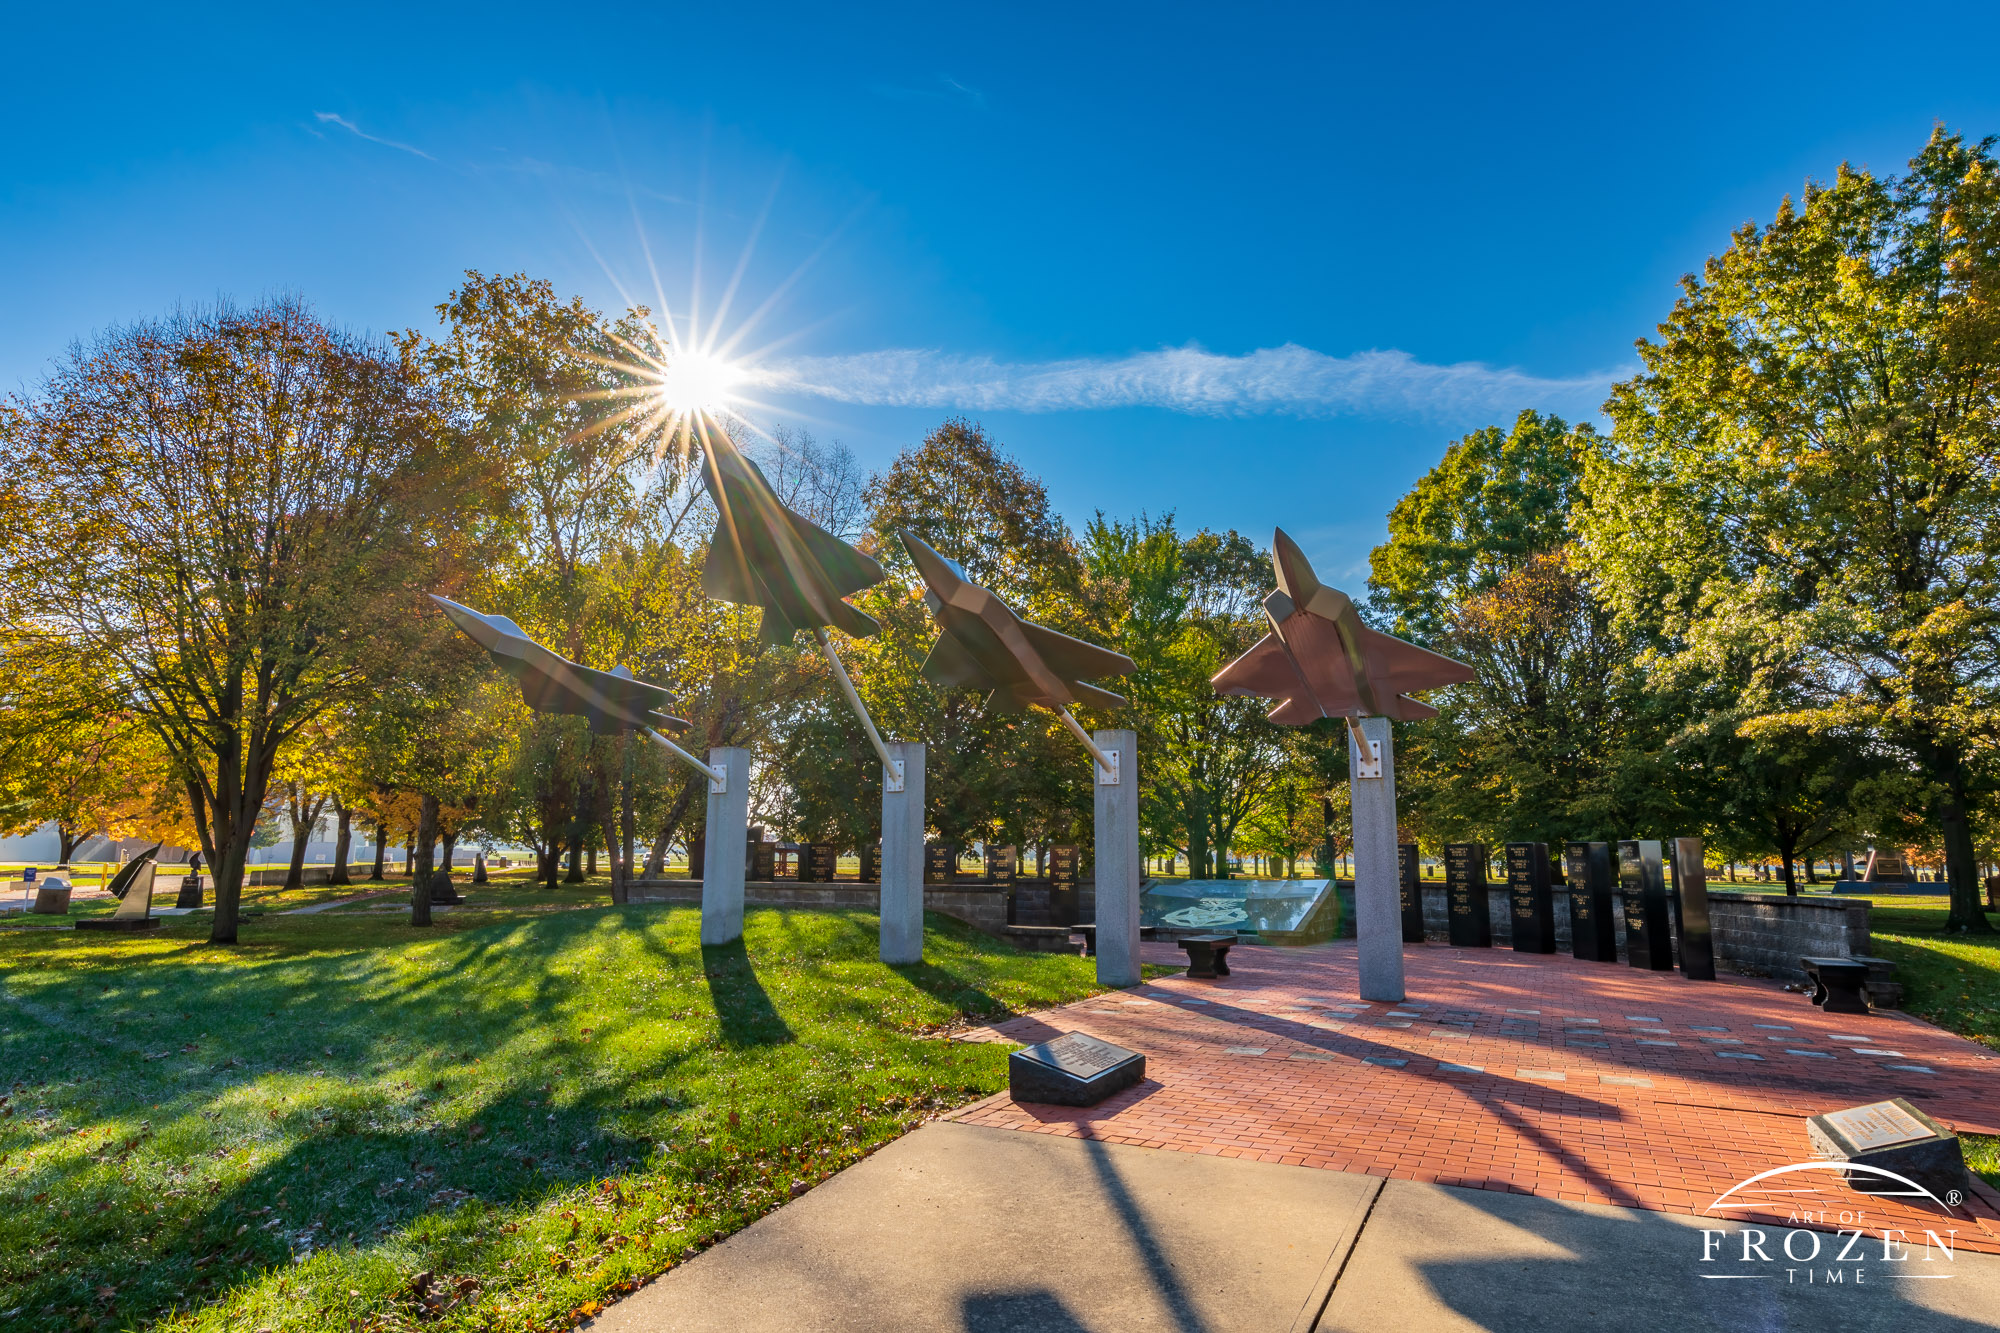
{"x":984,"y":645}
{"x":122,"y":881}
{"x":613,"y":702}
{"x":764,"y":555}
{"x":135,"y":910}
{"x":1319,"y":661}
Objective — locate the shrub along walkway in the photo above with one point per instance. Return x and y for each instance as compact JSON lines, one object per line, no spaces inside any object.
{"x":1585,"y":1082}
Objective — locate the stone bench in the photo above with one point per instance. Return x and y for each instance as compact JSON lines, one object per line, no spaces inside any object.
{"x":1882,"y":988}
{"x":1089,"y":932}
{"x":1837,"y":984}
{"x":1208,"y":955}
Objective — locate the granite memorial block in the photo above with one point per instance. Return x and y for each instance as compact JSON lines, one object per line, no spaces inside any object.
{"x":1892,"y":1136}
{"x":1642,"y":884}
{"x":1072,"y":1070}
{"x":1592,"y":931}
{"x":1065,"y":902}
{"x":51,"y":897}
{"x":1000,"y":863}
{"x":760,"y":859}
{"x":1409,"y":866}
{"x":1530,"y":898}
{"x":939,"y":863}
{"x":1691,"y":930}
{"x":817,"y":862}
{"x":871,"y":863}
{"x":1465,"y":894}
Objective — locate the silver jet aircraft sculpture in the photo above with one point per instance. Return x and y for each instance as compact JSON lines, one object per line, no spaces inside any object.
{"x":983,"y":645}
{"x":1319,"y":661}
{"x":762,"y":554}
{"x":612,"y":701}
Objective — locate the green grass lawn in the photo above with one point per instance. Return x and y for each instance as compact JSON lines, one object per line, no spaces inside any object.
{"x":346,"y":1123}
{"x":1951,"y":980}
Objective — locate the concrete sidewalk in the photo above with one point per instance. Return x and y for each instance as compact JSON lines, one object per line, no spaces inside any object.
{"x":963,"y":1228}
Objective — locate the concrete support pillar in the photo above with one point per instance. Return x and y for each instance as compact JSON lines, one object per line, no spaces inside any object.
{"x":724,"y":847}
{"x":1378,"y":903}
{"x":1117,"y":810}
{"x":903,"y":858}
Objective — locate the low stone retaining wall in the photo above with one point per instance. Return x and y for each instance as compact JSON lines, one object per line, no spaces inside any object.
{"x":983,"y":907}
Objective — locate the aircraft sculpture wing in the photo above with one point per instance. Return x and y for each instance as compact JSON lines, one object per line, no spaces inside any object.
{"x":1265,"y":670}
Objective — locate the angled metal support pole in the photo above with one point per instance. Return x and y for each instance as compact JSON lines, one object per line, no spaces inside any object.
{"x":892,"y":767}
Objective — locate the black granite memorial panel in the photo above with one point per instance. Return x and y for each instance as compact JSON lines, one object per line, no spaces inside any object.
{"x":1697,"y":947}
{"x":1409,"y":866}
{"x":938,"y":863}
{"x":1000,"y":862}
{"x":1642,"y":884}
{"x":1065,"y":903}
{"x":871,"y":864}
{"x":817,"y":861}
{"x":760,"y":860}
{"x":1072,"y":1070}
{"x":1592,"y":931}
{"x":1530,"y":898}
{"x":1465,"y":894}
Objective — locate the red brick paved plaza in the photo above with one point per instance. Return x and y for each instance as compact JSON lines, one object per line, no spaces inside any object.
{"x":1534,"y":1074}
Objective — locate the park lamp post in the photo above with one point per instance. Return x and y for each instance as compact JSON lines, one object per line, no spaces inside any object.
{"x":1320,"y":661}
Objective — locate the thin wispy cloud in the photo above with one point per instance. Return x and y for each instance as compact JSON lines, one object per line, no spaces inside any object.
{"x":329,"y":118}
{"x":1288,"y":380}
{"x":947,"y":89}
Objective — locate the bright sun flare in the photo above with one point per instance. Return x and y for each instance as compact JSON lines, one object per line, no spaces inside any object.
{"x":696,"y":382}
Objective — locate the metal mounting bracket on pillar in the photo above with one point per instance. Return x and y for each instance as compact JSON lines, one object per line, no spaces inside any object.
{"x":719,"y":784}
{"x":1108,"y":776}
{"x":892,"y":775}
{"x":1368,"y":754}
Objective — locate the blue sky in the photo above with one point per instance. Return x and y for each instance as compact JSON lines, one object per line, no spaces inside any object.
{"x":1254,"y":265}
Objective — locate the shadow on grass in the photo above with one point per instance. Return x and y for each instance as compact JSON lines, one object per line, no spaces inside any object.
{"x":743,"y":1009}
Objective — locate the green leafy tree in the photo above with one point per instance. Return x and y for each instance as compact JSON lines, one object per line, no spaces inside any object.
{"x":1805,"y":473}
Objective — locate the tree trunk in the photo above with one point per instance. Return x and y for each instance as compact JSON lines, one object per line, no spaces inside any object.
{"x":410,"y":846}
{"x":575,"y":875}
{"x":420,"y":868}
{"x":343,"y":845}
{"x":627,"y":821}
{"x":1968,"y":914}
{"x":295,"y":869}
{"x":548,"y":865}
{"x":375,"y":873}
{"x":68,"y":841}
{"x":590,"y":868}
{"x":450,"y":843}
